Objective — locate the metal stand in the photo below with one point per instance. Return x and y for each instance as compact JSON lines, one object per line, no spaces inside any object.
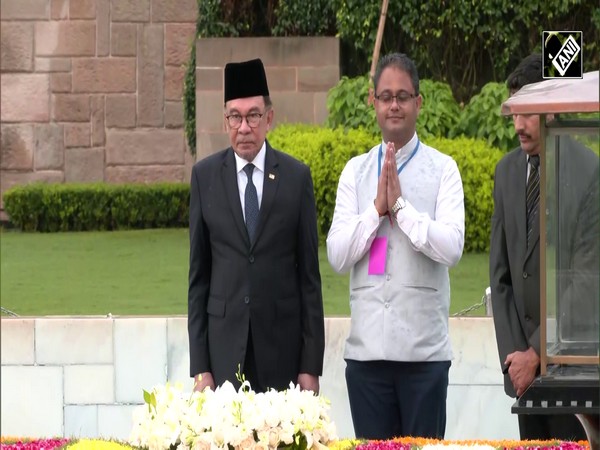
{"x":566,"y":390}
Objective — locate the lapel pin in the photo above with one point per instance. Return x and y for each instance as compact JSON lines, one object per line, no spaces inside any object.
{"x":271,"y":176}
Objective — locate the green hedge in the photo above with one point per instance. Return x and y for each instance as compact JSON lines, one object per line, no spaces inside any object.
{"x":326,"y":151}
{"x":83,"y":207}
{"x":78,"y":207}
{"x":476,"y":162}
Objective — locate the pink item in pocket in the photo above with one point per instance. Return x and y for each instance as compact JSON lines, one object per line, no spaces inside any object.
{"x":377,"y":255}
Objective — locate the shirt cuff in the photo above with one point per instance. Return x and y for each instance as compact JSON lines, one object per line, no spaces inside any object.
{"x":373,"y":214}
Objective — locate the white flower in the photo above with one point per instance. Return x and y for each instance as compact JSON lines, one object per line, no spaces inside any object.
{"x":227,"y":418}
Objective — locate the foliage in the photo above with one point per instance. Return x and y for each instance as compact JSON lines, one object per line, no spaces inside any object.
{"x":348,"y":107}
{"x":439,"y":112}
{"x":189,"y":101}
{"x":466,"y":44}
{"x":74,"y":207}
{"x":82,"y":207}
{"x":347,"y":103}
{"x":209,"y":23}
{"x":326,"y":151}
{"x":476,"y":162}
{"x":225,"y":418}
{"x":481,"y":118}
{"x":304,"y":18}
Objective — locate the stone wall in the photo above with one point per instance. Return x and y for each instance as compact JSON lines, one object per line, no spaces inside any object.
{"x":83,"y":376}
{"x":91,"y":90}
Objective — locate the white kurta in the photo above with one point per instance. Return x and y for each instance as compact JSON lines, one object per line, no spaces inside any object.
{"x":402,"y":314}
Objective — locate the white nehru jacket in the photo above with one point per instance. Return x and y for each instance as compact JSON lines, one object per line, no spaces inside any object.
{"x":401,"y":315}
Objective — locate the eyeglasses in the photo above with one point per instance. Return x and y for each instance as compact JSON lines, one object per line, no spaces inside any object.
{"x":401,"y":97}
{"x":252,"y":119}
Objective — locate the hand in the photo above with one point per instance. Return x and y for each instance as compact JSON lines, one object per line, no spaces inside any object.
{"x":393,"y":184}
{"x":204,"y":380}
{"x":308,"y":382}
{"x":381,"y":201}
{"x":522,"y":368}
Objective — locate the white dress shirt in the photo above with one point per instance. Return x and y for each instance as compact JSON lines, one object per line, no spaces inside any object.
{"x":258,"y":176}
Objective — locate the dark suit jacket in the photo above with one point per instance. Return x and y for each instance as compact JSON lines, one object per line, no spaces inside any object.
{"x":273,"y":283}
{"x":515,"y":270}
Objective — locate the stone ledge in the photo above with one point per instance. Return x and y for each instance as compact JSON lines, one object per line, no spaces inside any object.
{"x":153,"y":350}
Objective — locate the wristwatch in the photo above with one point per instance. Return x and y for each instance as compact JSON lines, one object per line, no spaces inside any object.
{"x":400,"y":204}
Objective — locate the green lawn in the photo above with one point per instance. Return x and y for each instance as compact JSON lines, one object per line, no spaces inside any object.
{"x":144,"y":272}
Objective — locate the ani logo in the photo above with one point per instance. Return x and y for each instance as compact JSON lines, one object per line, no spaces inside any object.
{"x":562,"y":56}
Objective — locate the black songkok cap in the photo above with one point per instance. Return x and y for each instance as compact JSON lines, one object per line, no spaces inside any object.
{"x":245,"y":79}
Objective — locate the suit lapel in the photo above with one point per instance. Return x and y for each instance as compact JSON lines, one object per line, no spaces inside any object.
{"x":270,"y":184}
{"x":230,"y":186}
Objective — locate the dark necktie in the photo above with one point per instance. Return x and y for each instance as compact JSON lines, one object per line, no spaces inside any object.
{"x":533,"y":194}
{"x":250,"y":203}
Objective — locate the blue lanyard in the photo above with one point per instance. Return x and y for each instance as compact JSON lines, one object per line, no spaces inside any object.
{"x":403,"y":165}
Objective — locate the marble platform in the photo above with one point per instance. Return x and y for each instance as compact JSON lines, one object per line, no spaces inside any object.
{"x":83,"y":376}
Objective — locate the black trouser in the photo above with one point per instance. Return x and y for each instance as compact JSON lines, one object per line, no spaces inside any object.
{"x":392,"y":399}
{"x":564,"y":427}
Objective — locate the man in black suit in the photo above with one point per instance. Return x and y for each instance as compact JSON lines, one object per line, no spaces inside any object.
{"x":254,"y":299}
{"x":515,"y":253}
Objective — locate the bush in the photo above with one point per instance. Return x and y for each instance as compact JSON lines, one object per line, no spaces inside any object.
{"x":439,"y":113}
{"x":481,"y":118}
{"x":304,"y":18}
{"x":81,"y":207}
{"x":476,"y":162}
{"x":84,"y":207}
{"x":466,"y":44}
{"x":348,"y":107}
{"x":347,"y":103}
{"x":327,"y":151}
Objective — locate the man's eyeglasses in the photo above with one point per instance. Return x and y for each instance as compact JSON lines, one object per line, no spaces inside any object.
{"x":235,"y":120}
{"x":401,"y":97}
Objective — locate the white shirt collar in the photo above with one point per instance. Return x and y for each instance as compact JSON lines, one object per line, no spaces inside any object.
{"x":407,"y":149}
{"x":258,"y":161}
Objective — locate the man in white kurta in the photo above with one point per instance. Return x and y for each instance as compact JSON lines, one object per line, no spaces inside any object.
{"x":398,"y":225}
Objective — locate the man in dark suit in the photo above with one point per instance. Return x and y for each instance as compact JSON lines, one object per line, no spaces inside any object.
{"x":254,"y":299}
{"x":515,"y":255}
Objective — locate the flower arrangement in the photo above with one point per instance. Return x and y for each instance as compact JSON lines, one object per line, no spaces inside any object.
{"x":410,"y":443}
{"x":232,"y":419}
{"x":26,"y":444}
{"x":8,"y":443}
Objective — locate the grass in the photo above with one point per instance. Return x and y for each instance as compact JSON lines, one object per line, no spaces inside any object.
{"x":144,"y":272}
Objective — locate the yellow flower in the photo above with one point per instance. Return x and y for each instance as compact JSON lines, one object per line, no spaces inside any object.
{"x":97,"y":444}
{"x":344,"y":444}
